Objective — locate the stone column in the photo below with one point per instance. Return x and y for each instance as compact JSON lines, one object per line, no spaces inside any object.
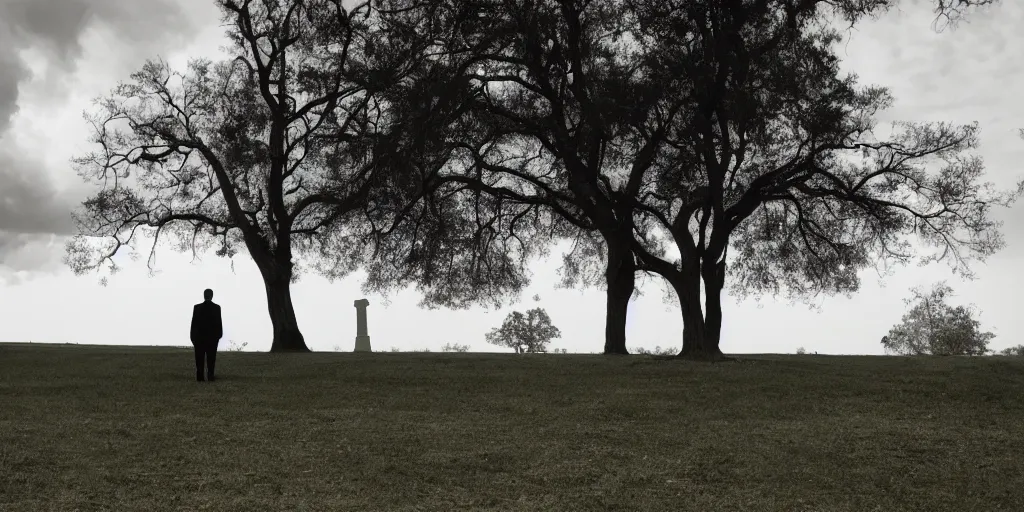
{"x":362,"y":339}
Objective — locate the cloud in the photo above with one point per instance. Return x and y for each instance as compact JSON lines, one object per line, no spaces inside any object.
{"x":48,"y":35}
{"x":28,"y":255}
{"x":30,"y":203}
{"x":56,"y":27}
{"x":970,"y":73}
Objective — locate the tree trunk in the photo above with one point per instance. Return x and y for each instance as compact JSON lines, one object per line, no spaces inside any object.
{"x":714,"y":281}
{"x":687,"y":286}
{"x":620,"y":277}
{"x":701,"y":329}
{"x":276,"y":268}
{"x":277,"y":279}
{"x":287,"y":337}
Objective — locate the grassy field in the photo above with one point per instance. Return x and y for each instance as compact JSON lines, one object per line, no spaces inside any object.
{"x":115,"y":428}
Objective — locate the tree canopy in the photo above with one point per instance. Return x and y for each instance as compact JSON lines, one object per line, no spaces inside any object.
{"x":934,"y":327}
{"x":777,"y":172}
{"x":287,"y":141}
{"x":445,"y":143}
{"x":685,"y":138}
{"x":527,"y":333}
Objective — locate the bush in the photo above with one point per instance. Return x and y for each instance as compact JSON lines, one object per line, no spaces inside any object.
{"x":1013,"y":351}
{"x":658,"y":351}
{"x":234,"y":346}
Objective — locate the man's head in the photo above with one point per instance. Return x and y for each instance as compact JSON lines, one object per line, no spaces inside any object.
{"x":208,"y":294}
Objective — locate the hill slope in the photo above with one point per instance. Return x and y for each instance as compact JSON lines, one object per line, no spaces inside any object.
{"x":113,"y":428}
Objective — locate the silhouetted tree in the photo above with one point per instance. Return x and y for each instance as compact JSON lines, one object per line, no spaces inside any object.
{"x":571,"y":107}
{"x":774,"y":157}
{"x":656,"y":351}
{"x":527,"y":334}
{"x":286,"y":142}
{"x":934,"y":327}
{"x":457,"y":246}
{"x":1013,"y":351}
{"x":234,"y":346}
{"x":454,"y":347}
{"x":538,"y":135}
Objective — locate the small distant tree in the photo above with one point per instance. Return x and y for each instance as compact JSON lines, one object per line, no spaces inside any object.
{"x":658,"y":351}
{"x":1013,"y":351}
{"x":454,"y":347}
{"x":234,"y":346}
{"x":934,"y":327}
{"x":801,"y":351}
{"x":526,"y":333}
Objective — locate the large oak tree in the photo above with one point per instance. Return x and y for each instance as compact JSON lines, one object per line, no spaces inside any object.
{"x":542,"y":88}
{"x":610,"y":115}
{"x":777,"y":172}
{"x":287,"y":141}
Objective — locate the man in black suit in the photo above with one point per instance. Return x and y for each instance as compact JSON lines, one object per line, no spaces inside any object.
{"x":205,"y":335}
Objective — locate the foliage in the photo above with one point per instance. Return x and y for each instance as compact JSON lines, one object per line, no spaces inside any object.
{"x":529,"y":333}
{"x":445,"y":143}
{"x":643,"y":129}
{"x":454,"y":347}
{"x":455,"y":245}
{"x":773,"y":172}
{"x":657,"y":351}
{"x":234,"y":346}
{"x":532,"y":151}
{"x":932,"y":326}
{"x":277,"y":150}
{"x":801,"y":351}
{"x":1013,"y":351}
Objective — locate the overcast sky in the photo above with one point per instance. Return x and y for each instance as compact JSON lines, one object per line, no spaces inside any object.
{"x":57,"y":55}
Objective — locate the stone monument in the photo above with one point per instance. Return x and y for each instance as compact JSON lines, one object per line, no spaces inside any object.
{"x":362,"y":339}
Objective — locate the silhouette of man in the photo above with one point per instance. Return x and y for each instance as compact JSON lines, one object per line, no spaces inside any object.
{"x":205,"y":334}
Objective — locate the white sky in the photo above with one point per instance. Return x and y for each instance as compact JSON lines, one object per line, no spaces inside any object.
{"x":972,"y":73}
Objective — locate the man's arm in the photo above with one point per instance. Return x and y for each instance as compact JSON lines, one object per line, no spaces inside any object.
{"x":219,"y":327}
{"x":194,"y":331}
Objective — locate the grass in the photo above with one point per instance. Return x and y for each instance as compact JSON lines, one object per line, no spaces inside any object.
{"x":116,"y":428}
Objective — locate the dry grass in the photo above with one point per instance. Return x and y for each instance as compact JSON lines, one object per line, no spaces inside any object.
{"x":114,"y":428}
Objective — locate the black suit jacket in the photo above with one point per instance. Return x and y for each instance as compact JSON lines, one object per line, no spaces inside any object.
{"x":206,"y":325}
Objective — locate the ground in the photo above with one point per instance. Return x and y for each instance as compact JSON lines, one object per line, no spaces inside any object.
{"x":115,"y":428}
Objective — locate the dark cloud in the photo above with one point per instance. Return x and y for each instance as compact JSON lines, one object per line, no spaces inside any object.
{"x":56,"y":27}
{"x":29,"y":201}
{"x":28,"y":255}
{"x":32,"y":208}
